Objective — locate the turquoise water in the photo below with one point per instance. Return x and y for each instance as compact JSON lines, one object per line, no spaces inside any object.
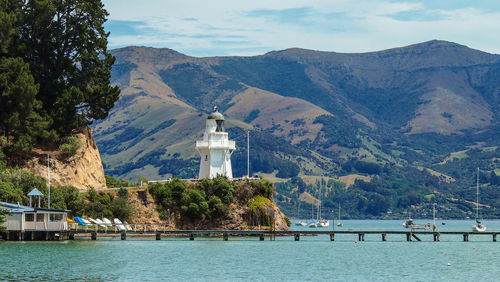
{"x":312,"y":258}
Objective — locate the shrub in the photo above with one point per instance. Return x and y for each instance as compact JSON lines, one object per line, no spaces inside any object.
{"x":216,"y":207}
{"x":121,"y":209}
{"x":71,"y":146}
{"x":288,"y":222}
{"x":123,"y":193}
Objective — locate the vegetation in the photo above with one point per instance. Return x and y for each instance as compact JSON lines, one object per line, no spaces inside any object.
{"x":338,"y":132}
{"x":54,"y":70}
{"x":71,"y":146}
{"x":102,"y":204}
{"x":3,"y":213}
{"x":209,"y":199}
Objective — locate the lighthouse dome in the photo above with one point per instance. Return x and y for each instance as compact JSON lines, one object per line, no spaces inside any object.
{"x":215,"y":114}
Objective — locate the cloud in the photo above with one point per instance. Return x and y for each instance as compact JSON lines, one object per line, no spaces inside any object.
{"x":120,"y":28}
{"x":227,"y":27}
{"x":419,"y":15}
{"x":289,"y":16}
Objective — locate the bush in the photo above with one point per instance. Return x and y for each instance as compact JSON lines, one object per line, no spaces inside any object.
{"x":71,"y":146}
{"x":112,"y":182}
{"x":288,"y":222}
{"x":123,"y":193}
{"x":216,"y":207}
{"x":121,"y":209}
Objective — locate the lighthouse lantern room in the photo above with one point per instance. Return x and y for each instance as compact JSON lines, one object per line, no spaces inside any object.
{"x":215,"y":149}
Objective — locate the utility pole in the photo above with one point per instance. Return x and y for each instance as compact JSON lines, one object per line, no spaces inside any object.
{"x":248,"y":153}
{"x":48,"y":177}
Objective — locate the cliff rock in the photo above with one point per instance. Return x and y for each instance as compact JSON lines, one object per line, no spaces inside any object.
{"x":82,"y":170}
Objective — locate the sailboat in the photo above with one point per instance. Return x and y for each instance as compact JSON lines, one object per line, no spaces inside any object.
{"x":339,"y":224}
{"x":313,"y":223}
{"x":478,"y":227}
{"x":300,"y":222}
{"x":322,"y":222}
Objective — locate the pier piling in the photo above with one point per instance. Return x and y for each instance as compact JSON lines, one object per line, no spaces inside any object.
{"x":494,"y":237}
{"x":158,"y":236}
{"x":466,"y":237}
{"x":384,"y":237}
{"x":191,"y":236}
{"x":332,"y":236}
{"x":408,"y":237}
{"x":226,"y":236}
{"x":261,"y":237}
{"x":296,"y":237}
{"x":123,"y":235}
{"x":436,"y":237}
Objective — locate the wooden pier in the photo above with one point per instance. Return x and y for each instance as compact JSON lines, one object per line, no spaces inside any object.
{"x":358,"y":235}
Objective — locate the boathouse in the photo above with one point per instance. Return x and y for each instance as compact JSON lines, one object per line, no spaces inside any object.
{"x":30,"y":223}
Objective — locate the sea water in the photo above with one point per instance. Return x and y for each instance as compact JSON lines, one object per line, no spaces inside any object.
{"x":313,"y":258}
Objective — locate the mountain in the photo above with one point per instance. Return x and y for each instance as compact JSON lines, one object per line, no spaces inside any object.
{"x":417,"y":117}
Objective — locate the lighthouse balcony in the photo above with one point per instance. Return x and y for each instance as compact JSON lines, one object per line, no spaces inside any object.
{"x":223,"y":144}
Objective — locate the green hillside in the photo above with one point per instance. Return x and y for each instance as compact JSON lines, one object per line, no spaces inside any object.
{"x":418,"y":120}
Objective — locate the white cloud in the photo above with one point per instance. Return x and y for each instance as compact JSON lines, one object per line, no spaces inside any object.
{"x":224,"y":27}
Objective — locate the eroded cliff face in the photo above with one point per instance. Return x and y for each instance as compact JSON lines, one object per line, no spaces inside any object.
{"x":82,"y":170}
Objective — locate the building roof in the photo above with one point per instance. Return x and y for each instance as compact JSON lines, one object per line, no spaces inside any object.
{"x":35,"y":192}
{"x":17,"y":208}
{"x":215,"y":114}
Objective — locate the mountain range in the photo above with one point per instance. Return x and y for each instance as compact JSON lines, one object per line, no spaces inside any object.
{"x":430,"y":108}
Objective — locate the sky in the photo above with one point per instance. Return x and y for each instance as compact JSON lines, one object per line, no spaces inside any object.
{"x":245,"y":28}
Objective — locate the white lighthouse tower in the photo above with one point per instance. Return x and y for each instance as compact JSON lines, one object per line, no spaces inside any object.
{"x":215,"y":149}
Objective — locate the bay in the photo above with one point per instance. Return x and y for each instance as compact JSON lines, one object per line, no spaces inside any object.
{"x":313,"y":258}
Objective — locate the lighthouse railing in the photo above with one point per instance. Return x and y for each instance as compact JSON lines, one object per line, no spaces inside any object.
{"x":216,"y":144}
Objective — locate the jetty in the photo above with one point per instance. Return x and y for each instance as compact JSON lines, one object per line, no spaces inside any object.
{"x":159,"y":231}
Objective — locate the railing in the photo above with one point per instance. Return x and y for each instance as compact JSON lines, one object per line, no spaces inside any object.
{"x":216,"y":144}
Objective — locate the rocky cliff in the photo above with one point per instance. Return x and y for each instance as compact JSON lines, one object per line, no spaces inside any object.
{"x":83,"y":169}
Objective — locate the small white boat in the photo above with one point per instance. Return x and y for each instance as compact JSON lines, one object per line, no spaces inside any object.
{"x":408,"y":223}
{"x":313,"y":224}
{"x":324,"y":223}
{"x":301,"y":223}
{"x":100,"y":223}
{"x":119,"y":224}
{"x":478,"y":227}
{"x":127,"y":226}
{"x":107,"y":221}
{"x":86,"y":221}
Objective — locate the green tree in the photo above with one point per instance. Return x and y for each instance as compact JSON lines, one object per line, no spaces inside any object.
{"x":121,"y":208}
{"x":3,"y":213}
{"x":22,"y":182}
{"x":73,"y":199}
{"x":19,"y":118}
{"x":65,"y":44}
{"x":9,"y":193}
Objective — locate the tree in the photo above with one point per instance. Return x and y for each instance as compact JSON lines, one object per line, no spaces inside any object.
{"x":65,"y":45}
{"x":3,"y":213}
{"x":19,"y":118}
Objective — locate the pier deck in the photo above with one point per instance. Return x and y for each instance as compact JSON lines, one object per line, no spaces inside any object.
{"x":296,"y":234}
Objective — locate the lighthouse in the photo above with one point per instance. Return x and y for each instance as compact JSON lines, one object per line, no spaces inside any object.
{"x":215,"y":149}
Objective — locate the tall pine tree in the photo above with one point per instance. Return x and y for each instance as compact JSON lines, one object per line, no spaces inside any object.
{"x":65,"y":44}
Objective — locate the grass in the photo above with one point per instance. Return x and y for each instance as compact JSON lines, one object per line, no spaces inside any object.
{"x":455,"y":156}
